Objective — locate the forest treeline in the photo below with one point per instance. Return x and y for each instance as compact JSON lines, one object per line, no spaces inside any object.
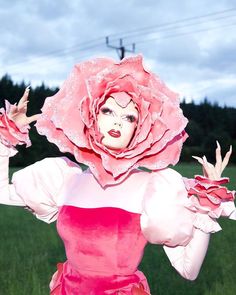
{"x":207,"y":123}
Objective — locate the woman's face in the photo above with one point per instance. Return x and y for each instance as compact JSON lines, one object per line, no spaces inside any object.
{"x":117,"y":124}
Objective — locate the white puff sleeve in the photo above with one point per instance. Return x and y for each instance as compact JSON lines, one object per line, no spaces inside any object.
{"x":36,"y":187}
{"x":167,"y":220}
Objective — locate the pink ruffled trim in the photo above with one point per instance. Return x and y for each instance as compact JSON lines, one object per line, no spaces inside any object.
{"x":209,"y":193}
{"x":210,"y":201}
{"x":10,"y":133}
{"x":206,"y":180}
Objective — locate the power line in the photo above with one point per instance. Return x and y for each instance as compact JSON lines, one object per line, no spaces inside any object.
{"x":59,"y":52}
{"x":95,"y":43}
{"x":180,"y":26}
{"x":171,"y":36}
{"x":121,"y":49}
{"x":139,"y":30}
{"x":185,"y":33}
{"x":51,"y":62}
{"x":77,"y":47}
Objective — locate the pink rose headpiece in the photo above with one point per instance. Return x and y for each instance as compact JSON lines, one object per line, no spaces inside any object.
{"x":69,"y":118}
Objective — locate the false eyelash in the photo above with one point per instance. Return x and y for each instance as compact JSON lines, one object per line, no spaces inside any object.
{"x":106,"y":110}
{"x":131,"y":118}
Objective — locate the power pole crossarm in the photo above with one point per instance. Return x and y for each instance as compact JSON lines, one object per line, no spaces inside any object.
{"x":121,"y":50}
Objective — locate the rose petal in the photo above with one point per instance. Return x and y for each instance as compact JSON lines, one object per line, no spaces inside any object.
{"x":69,"y":118}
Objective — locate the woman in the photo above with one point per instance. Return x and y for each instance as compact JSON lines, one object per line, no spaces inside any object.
{"x":115,"y":118}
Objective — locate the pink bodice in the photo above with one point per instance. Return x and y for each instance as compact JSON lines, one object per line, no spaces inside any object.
{"x":104,"y":247}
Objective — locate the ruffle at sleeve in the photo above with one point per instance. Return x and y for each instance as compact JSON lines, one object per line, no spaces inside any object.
{"x":11,"y":134}
{"x":209,"y":200}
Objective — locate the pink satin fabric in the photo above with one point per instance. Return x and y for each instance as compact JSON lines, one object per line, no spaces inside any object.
{"x":104,"y":247}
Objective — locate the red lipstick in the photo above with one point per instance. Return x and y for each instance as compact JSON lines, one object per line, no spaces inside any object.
{"x":114,"y":133}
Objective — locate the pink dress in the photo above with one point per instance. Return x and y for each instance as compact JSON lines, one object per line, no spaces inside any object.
{"x":105,"y":230}
{"x":103,"y":247}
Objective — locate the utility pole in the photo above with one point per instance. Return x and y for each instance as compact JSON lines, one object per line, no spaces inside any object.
{"x":121,"y":50}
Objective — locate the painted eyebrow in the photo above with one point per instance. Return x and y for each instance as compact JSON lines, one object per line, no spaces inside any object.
{"x":130,"y":114}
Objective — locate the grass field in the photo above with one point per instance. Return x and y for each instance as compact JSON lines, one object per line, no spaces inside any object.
{"x":30,"y":250}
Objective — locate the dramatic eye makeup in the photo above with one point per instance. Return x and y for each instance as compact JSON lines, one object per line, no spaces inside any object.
{"x":106,"y":111}
{"x":130,"y":118}
{"x":127,"y":117}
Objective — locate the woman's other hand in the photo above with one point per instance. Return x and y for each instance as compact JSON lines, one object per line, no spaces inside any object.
{"x":17,"y":112}
{"x":211,"y":171}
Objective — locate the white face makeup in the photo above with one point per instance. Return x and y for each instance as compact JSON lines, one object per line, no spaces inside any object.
{"x":117,"y":124}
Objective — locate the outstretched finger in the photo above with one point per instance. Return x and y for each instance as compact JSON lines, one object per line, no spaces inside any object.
{"x":218,"y":164}
{"x":204,"y":165}
{"x":209,"y":169}
{"x":33,"y":118}
{"x":23,"y":106}
{"x":200,"y":160}
{"x":24,"y":98}
{"x":226,"y":158}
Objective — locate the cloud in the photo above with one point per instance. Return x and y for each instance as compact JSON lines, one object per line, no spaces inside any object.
{"x":41,"y":40}
{"x":222,"y":58}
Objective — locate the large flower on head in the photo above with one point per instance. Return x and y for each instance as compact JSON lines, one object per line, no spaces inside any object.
{"x":69,"y":118}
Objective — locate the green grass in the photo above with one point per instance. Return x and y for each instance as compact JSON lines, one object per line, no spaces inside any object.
{"x":30,"y":250}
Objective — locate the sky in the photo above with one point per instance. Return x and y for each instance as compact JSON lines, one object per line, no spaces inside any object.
{"x":190,"y":44}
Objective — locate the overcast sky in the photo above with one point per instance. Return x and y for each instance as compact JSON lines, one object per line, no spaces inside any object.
{"x":190,"y":44}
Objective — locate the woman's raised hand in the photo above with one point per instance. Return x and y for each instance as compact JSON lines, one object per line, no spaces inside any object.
{"x":17,"y":112}
{"x":211,"y":171}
